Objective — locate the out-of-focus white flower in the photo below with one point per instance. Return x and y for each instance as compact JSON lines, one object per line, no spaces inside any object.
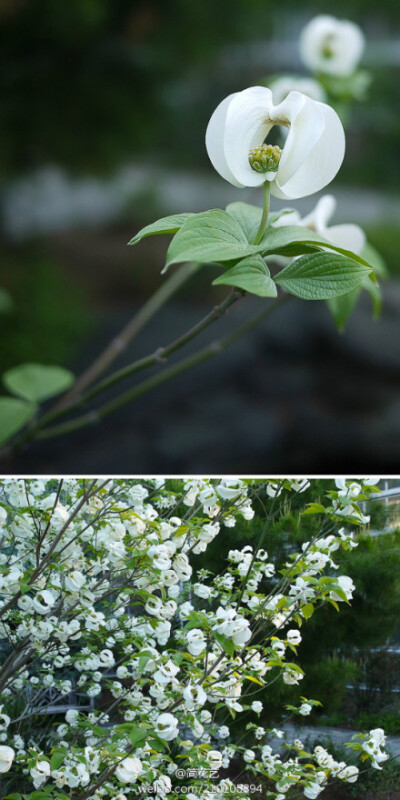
{"x":43,"y":601}
{"x":312,"y":790}
{"x":229,"y":488}
{"x":162,"y":785}
{"x":166,"y":672}
{"x":196,"y":641}
{"x":4,"y":720}
{"x":7,"y":755}
{"x":293,"y":637}
{"x":257,"y":706}
{"x":332,"y":46}
{"x":305,"y":709}
{"x":372,"y":746}
{"x":291,"y":677}
{"x":166,"y":727}
{"x":311,"y":156}
{"x":182,"y":567}
{"x":347,"y":586}
{"x":378,"y":735}
{"x":281,"y":87}
{"x":349,"y":773}
{"x":201,"y":590}
{"x":346,"y":235}
{"x":74,"y":581}
{"x":40,"y":772}
{"x":128,"y":769}
{"x":194,"y":697}
{"x":214,"y":758}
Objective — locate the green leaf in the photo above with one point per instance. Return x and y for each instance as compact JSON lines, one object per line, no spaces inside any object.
{"x":307,"y":610}
{"x":170,"y":224}
{"x":314,"y":508}
{"x":226,"y":644}
{"x":321,"y":275}
{"x":14,"y":414}
{"x":254,"y":680}
{"x":375,"y":259}
{"x":342,"y":306}
{"x":248,"y":217}
{"x":292,"y":240}
{"x":208,"y":237}
{"x":37,"y":382}
{"x":14,"y":796}
{"x":250,"y":274}
{"x":138,"y":735}
{"x":157,"y":744}
{"x":57,"y":759}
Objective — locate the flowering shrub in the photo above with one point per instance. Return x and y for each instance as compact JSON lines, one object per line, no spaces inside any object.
{"x":121,"y":666}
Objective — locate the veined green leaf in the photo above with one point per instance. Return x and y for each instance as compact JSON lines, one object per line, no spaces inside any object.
{"x":170,"y":224}
{"x":321,"y":275}
{"x":248,"y":217}
{"x":250,"y":274}
{"x":288,"y":239}
{"x":208,"y":237}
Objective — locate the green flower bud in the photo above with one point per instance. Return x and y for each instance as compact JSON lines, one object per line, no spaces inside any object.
{"x":265,"y":158}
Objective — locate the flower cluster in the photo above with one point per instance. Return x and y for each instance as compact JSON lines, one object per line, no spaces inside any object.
{"x":139,"y":660}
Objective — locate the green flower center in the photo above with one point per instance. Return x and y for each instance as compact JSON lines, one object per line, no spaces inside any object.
{"x":265,"y":158}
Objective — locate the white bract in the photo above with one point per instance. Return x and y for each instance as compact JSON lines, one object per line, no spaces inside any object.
{"x":7,"y":755}
{"x":346,"y":235}
{"x":332,"y":46}
{"x":312,"y":153}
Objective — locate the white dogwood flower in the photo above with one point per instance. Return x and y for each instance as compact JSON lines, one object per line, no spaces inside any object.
{"x":349,"y":773}
{"x":293,"y":637}
{"x":331,"y":45}
{"x":128,"y":769}
{"x":196,"y":641}
{"x":166,"y":727}
{"x":312,"y":153}
{"x":40,"y":772}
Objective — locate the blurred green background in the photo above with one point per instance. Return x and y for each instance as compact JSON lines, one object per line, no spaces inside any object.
{"x":104,"y":108}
